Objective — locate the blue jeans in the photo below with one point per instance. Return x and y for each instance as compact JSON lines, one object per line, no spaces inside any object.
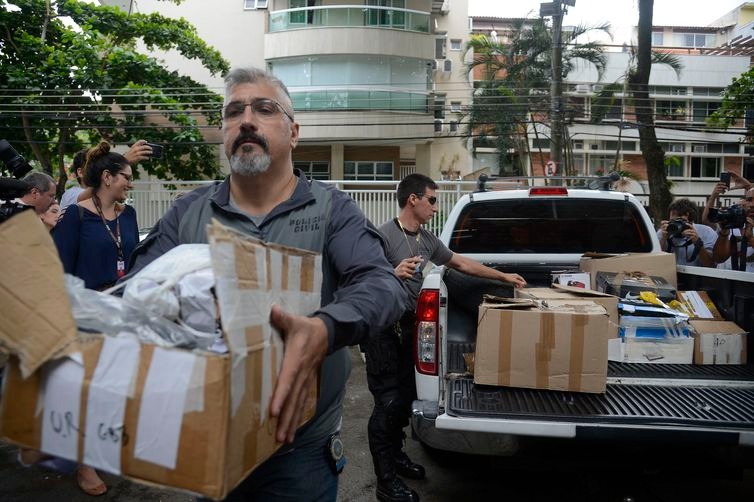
{"x":302,"y":474}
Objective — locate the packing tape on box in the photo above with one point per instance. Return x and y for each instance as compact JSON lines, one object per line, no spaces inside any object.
{"x":113,"y":377}
{"x":63,"y":380}
{"x":576,"y":361}
{"x":543,"y":348}
{"x":163,"y":400}
{"x":505,"y":349}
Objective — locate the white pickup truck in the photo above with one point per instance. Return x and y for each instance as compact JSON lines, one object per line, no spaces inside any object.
{"x":534,"y":232}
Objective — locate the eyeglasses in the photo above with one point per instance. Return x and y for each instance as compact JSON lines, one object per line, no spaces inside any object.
{"x":129,"y":177}
{"x":432,"y":200}
{"x":263,"y":109}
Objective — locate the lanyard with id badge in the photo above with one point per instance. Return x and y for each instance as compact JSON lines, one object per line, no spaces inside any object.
{"x":120,"y":264}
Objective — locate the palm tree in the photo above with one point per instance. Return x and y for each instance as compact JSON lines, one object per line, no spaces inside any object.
{"x":514,"y":89}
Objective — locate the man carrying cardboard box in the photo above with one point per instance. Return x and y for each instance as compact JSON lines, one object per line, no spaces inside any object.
{"x":266,"y":198}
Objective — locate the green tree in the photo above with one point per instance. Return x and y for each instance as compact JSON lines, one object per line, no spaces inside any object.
{"x":66,"y":85}
{"x":738,"y":99}
{"x":516,"y":80}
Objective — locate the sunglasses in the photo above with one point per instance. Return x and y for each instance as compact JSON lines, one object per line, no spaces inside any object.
{"x":432,"y":200}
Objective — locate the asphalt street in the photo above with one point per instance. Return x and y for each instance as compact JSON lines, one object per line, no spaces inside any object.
{"x":545,"y":470}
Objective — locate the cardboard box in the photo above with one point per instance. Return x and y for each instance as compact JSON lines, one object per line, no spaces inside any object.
{"x":559,"y":292}
{"x":698,"y":305}
{"x":629,"y":286}
{"x":190,"y":420}
{"x":561,"y":346}
{"x":652,"y":264}
{"x":718,"y":342}
{"x":574,"y":279}
{"x":655,"y":340}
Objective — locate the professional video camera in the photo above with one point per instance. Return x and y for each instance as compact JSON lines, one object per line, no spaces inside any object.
{"x":677,"y":226}
{"x":733,"y":217}
{"x":11,"y":188}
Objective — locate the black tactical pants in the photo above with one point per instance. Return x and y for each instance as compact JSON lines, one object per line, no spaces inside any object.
{"x":390,"y":376}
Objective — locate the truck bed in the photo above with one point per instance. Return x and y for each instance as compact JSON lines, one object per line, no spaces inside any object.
{"x":650,"y":394}
{"x":714,"y":402}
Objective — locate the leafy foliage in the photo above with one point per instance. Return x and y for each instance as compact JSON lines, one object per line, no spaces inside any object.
{"x":66,"y":85}
{"x":737,"y":101}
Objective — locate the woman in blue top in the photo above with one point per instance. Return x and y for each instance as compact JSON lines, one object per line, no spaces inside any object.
{"x":96,"y":236}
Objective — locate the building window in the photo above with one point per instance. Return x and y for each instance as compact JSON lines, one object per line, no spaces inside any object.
{"x":455,"y":106}
{"x":368,"y":171}
{"x":670,"y":110}
{"x":440,"y":48}
{"x":674,"y":147}
{"x":626,"y":146}
{"x":707,"y":91}
{"x":254,"y":4}
{"x":601,"y":164}
{"x":705,"y":167}
{"x":675,"y":166}
{"x":453,"y":126}
{"x":439,"y":106}
{"x":695,"y":40}
{"x":314,"y":170}
{"x":656,"y":38}
{"x":455,"y":44}
{"x":703,"y":109}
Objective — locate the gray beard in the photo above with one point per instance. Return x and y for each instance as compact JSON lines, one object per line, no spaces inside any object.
{"x":247,"y":165}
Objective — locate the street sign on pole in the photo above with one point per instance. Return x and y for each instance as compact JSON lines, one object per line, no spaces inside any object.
{"x":551,"y":168}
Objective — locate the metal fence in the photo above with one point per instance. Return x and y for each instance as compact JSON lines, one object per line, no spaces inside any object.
{"x":376,"y":198}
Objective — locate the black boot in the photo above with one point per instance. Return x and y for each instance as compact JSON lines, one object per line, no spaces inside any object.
{"x":390,"y":488}
{"x":406,"y":468}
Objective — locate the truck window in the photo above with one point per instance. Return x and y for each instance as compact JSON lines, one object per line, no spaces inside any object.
{"x":550,"y":226}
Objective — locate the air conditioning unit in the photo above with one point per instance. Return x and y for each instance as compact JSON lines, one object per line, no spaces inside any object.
{"x":594,"y":146}
{"x":699,"y":148}
{"x":439,"y":65}
{"x":578,"y":145}
{"x":597,"y":88}
{"x":582,"y":88}
{"x":438,"y":125}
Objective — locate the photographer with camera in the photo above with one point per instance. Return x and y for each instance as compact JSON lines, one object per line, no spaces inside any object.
{"x":734,"y":248}
{"x":41,"y":192}
{"x":691,"y":242}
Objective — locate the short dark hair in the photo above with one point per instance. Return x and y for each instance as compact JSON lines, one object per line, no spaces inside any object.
{"x":253,"y":75}
{"x":40,"y":181}
{"x":684,"y":207}
{"x":100,"y":159}
{"x":413,"y":183}
{"x":79,"y":159}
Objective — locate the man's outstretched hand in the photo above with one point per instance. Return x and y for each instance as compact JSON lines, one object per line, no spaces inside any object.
{"x":305,"y":347}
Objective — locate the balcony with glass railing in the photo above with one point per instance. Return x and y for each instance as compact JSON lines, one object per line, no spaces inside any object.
{"x":320,"y":99}
{"x":362,"y":16}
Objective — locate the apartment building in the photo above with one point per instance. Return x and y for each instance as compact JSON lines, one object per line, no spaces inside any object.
{"x":681,"y":104}
{"x":731,"y":34}
{"x":378,"y":86}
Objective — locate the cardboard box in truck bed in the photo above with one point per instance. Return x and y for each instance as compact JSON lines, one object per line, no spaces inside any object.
{"x":190,"y":420}
{"x":560,"y":346}
{"x":660,"y":264}
{"x":560,"y":292}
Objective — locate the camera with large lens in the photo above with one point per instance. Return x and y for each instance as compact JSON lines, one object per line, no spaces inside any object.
{"x":732,"y":217}
{"x":11,"y":188}
{"x":677,"y":226}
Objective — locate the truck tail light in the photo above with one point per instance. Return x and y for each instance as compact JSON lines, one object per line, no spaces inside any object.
{"x":426,"y":331}
{"x":548,"y":191}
